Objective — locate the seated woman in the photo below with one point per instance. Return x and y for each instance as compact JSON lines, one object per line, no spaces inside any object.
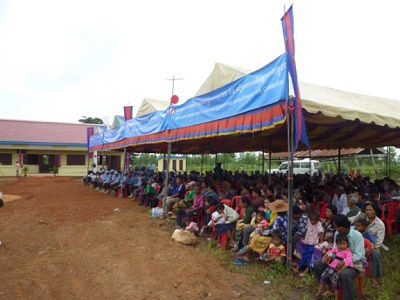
{"x":377,"y":228}
{"x":244,"y":228}
{"x":188,"y":201}
{"x":281,"y":221}
{"x":326,"y":242}
{"x":198,"y":205}
{"x":259,"y":241}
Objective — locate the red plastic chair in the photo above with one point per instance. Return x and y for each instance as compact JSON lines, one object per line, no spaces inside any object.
{"x":236,"y":201}
{"x":198,"y":218}
{"x":389,"y":216}
{"x":241,"y":213}
{"x":227,"y":202}
{"x":368,"y":249}
{"x":222,"y":238}
{"x":124,"y":192}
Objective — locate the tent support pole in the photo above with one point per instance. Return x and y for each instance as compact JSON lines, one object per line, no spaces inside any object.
{"x":120,"y":192}
{"x":356,"y":160}
{"x":269,"y":162}
{"x":373,"y":161}
{"x":202,"y":160}
{"x":166,"y":181}
{"x":388,"y":161}
{"x":339,"y":159}
{"x":216,"y":159}
{"x":290,"y":129}
{"x":309,"y":159}
{"x":262,"y":162}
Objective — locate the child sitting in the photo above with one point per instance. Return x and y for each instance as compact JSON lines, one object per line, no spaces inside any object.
{"x":260,"y":224}
{"x":218,"y":217}
{"x":335,"y":256}
{"x":276,"y":251}
{"x":312,"y":238}
{"x":361,"y":226}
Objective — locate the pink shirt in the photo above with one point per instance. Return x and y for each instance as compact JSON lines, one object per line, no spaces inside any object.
{"x":192,"y":227}
{"x":341,"y":255}
{"x":198,"y":202}
{"x":312,"y":233}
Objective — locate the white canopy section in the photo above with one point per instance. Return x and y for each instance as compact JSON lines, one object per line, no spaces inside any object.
{"x":330,"y":102}
{"x":151,"y":105}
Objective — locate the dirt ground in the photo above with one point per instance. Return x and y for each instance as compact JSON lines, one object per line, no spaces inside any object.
{"x":62,"y":240}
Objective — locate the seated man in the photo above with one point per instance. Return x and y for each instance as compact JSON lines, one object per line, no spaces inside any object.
{"x":147,"y":197}
{"x":124,"y":182}
{"x":116,"y":182}
{"x":132,"y":182}
{"x":177,"y":193}
{"x":107,"y":181}
{"x":356,"y":243}
{"x":101,"y":179}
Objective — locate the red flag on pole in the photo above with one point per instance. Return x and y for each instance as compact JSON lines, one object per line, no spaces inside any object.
{"x":89,"y":133}
{"x":128,"y":112}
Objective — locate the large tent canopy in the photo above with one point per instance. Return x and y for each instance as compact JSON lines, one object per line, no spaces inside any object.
{"x":334,"y":119}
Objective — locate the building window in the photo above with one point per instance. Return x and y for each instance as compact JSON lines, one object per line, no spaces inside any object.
{"x":181,"y":165}
{"x":5,"y":159}
{"x":174,"y":164}
{"x":76,"y":160}
{"x":31,"y":159}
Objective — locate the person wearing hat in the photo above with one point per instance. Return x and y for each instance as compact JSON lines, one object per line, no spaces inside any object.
{"x":281,"y":222}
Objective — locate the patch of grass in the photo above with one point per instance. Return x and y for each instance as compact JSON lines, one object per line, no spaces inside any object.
{"x":390,"y":286}
{"x":284,"y":282}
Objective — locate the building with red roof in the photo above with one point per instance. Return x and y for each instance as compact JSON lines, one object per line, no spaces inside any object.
{"x":41,"y":146}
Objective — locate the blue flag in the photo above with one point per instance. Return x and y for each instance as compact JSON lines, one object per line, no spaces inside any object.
{"x":299,"y":123}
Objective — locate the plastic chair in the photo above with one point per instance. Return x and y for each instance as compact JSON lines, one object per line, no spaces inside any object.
{"x":236,"y":201}
{"x":368,"y":249}
{"x":198,"y":217}
{"x":221,"y":238}
{"x":227,"y":202}
{"x":389,"y":216}
{"x":124,"y":192}
{"x":241,"y":213}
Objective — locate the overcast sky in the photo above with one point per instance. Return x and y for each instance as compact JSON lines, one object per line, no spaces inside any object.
{"x":60,"y":60}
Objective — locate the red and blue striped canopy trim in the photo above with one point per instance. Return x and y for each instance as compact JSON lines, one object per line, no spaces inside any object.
{"x":256,"y":120}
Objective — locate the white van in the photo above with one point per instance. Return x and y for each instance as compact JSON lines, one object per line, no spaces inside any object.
{"x":301,"y":167}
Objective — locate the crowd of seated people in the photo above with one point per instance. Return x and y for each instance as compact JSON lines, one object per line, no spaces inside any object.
{"x":331,"y":214}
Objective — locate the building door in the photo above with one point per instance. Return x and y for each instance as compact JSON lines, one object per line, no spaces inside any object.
{"x":47,"y":161}
{"x":114,"y":162}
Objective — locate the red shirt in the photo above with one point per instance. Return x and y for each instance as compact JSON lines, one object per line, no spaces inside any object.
{"x":276,"y":252}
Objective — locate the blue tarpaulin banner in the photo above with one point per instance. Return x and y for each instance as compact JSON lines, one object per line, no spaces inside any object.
{"x":261,"y":88}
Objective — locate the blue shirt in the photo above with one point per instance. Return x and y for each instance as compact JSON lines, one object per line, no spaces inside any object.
{"x":281,"y":225}
{"x":369,"y":236}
